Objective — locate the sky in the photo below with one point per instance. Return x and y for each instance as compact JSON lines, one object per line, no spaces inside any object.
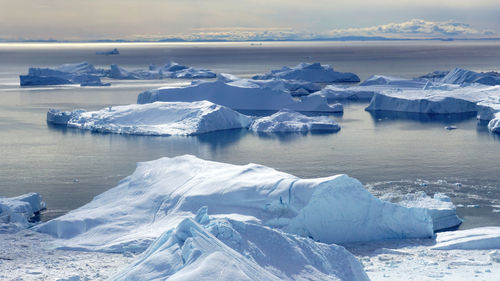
{"x":246,"y":20}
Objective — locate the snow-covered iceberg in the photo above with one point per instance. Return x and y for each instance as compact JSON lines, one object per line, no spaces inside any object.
{"x":461,"y":76}
{"x":483,"y":100}
{"x":224,"y":249}
{"x":287,"y":120}
{"x":82,"y":73}
{"x":162,"y":193}
{"x":469,"y":239}
{"x":159,"y":118}
{"x":242,"y":94}
{"x":170,"y":70}
{"x":369,"y":87}
{"x":20,"y":210}
{"x":441,"y":209}
{"x":312,"y":72}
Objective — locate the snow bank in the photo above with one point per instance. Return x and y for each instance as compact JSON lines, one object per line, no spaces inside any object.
{"x":369,"y":87}
{"x":161,"y":193}
{"x":469,"y":239}
{"x":170,"y":70}
{"x":461,"y":76}
{"x":159,"y":118}
{"x":82,"y":73}
{"x":440,"y":207}
{"x":222,"y":249}
{"x":312,"y":72}
{"x":21,"y":209}
{"x":290,"y":121}
{"x":242,"y":94}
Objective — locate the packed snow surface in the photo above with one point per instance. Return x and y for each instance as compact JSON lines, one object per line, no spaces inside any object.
{"x":440,"y":207}
{"x":222,"y":249}
{"x":290,"y":121}
{"x":312,"y":72}
{"x":18,"y":211}
{"x":159,"y":118}
{"x":82,"y":73}
{"x":161,"y":193}
{"x":470,"y":239}
{"x":241,"y":94}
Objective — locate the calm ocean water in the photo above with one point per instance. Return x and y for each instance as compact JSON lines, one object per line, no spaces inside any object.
{"x":389,"y":153}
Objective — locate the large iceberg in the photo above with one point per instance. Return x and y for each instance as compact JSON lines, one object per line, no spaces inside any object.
{"x":169,"y":70}
{"x":443,"y":212}
{"x":20,"y":210}
{"x":461,"y":76}
{"x":162,"y":193}
{"x":159,"y":118}
{"x":287,"y":120}
{"x":82,"y":73}
{"x":312,"y":72}
{"x":241,"y":94}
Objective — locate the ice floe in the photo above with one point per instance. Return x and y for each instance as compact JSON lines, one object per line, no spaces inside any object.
{"x":312,"y":72}
{"x":287,"y":120}
{"x":240,"y":94}
{"x":224,"y":249}
{"x":440,"y":207}
{"x":20,"y":210}
{"x":159,"y":118}
{"x":161,"y":193}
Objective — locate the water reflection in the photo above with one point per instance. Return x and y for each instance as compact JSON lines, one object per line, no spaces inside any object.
{"x":384,"y":116}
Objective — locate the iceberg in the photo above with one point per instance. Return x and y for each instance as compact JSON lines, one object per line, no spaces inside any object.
{"x":242,"y":94}
{"x":82,"y":73}
{"x":224,"y":249}
{"x":312,"y":72}
{"x":20,"y":210}
{"x":159,"y":118}
{"x":461,"y":76}
{"x":494,"y":124}
{"x":160,"y":194}
{"x":287,"y":120}
{"x":108,"y":53}
{"x":169,"y":70}
{"x":441,"y":209}
{"x":470,"y":239}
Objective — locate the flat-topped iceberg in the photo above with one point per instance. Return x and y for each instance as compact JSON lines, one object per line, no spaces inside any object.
{"x":170,"y":70}
{"x":20,"y":210}
{"x":483,"y":100}
{"x":159,"y":118}
{"x":443,"y":212}
{"x":82,"y":73}
{"x":462,"y":76}
{"x":224,"y":249}
{"x":242,"y":94}
{"x":312,"y":72}
{"x":162,"y":193}
{"x":287,"y":120}
{"x":371,"y":86}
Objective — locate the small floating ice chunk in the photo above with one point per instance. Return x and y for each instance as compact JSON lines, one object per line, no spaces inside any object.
{"x":287,"y":120}
{"x":159,"y":118}
{"x":449,"y":128}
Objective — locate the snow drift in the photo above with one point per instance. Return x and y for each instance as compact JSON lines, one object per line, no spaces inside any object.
{"x":290,"y":121}
{"x":312,"y":72}
{"x":161,"y":193}
{"x":223,"y":249}
{"x":242,"y":94}
{"x":159,"y":118}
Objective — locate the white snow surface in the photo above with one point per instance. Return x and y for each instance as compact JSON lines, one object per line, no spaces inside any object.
{"x":224,"y":249}
{"x":240,"y":94}
{"x":161,"y":193}
{"x":440,"y":207}
{"x":481,"y":238}
{"x":16,"y":212}
{"x":312,"y":72}
{"x":159,"y":118}
{"x":290,"y":121}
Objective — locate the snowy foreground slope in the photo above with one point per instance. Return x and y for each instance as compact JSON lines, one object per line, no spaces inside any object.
{"x":159,"y":118}
{"x":161,"y":193}
{"x":312,"y":72}
{"x":241,"y":94}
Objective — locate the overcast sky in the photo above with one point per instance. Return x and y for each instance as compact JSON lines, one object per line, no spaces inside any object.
{"x":239,"y":19}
